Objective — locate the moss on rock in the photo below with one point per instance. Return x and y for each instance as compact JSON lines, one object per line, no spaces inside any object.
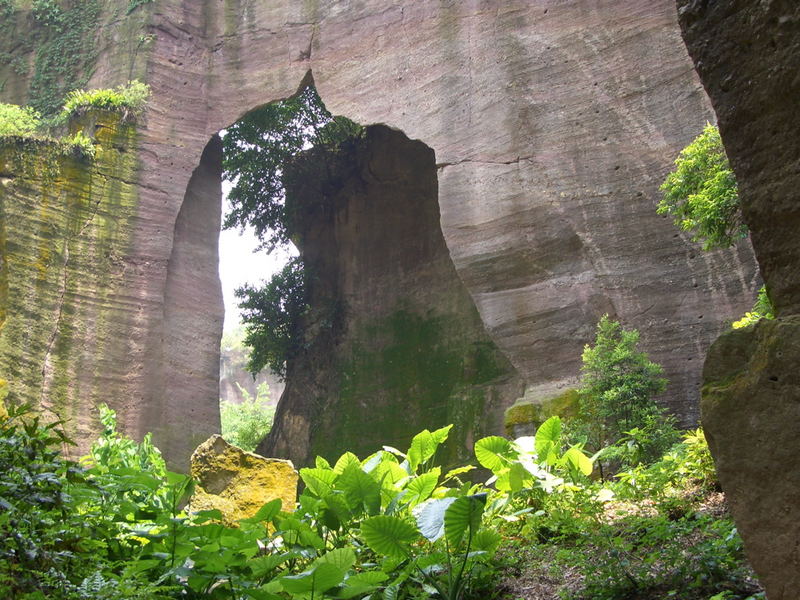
{"x":65,"y":224}
{"x":239,"y":483}
{"x":530,"y":411}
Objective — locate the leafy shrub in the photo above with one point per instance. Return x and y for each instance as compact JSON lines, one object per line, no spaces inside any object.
{"x":246,"y":424}
{"x":18,"y":120}
{"x":56,"y":528}
{"x":272,"y":315}
{"x":701,"y":193}
{"x":762,"y":309}
{"x":648,"y":535}
{"x":129,"y":99}
{"x":24,"y":122}
{"x":616,"y":406}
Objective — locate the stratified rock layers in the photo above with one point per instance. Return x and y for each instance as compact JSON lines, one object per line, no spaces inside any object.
{"x":746,"y":54}
{"x":65,"y":227}
{"x":552,"y":125}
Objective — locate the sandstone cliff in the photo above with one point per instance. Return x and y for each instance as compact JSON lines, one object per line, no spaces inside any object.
{"x":551,"y":123}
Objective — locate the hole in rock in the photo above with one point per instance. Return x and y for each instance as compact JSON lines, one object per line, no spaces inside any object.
{"x":366,"y":322}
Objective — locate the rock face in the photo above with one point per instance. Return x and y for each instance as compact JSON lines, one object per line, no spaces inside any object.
{"x":238,"y":483}
{"x":552,"y":125}
{"x":393,"y":343}
{"x":746,"y":54}
{"x":66,"y":225}
{"x":751,"y":407}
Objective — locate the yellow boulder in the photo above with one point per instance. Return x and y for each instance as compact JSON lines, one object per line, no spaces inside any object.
{"x":238,"y":483}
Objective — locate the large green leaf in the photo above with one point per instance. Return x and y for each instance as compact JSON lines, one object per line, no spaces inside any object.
{"x":420,"y":488}
{"x":342,"y":558}
{"x":462,"y":517}
{"x":493,"y":452}
{"x":430,"y":517}
{"x":262,"y":565}
{"x":318,"y":579}
{"x":487,"y":540}
{"x":362,"y":584}
{"x":318,"y":481}
{"x":346,"y":460}
{"x":337,"y":504}
{"x":361,"y":490}
{"x":518,"y":477}
{"x":548,"y":440}
{"x":266,"y":513}
{"x":424,"y":446}
{"x":388,"y":535}
{"x":576,"y":459}
{"x":440,"y":435}
{"x":299,"y":532}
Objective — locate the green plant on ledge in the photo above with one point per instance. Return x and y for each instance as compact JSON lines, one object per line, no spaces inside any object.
{"x":18,"y":120}
{"x":128,"y":99}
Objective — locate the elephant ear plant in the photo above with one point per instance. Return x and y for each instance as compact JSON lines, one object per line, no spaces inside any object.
{"x":396,"y":511}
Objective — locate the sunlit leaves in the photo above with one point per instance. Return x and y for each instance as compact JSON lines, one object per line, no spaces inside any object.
{"x":701,"y":193}
{"x":388,"y":535}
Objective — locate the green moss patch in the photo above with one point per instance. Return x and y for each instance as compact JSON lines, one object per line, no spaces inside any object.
{"x":405,"y":372}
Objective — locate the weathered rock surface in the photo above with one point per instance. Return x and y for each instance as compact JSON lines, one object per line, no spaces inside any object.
{"x":392,"y":343}
{"x":66,"y":225}
{"x":751,"y":411}
{"x":552,"y":125}
{"x":238,"y":483}
{"x":526,"y":414}
{"x":746,"y":54}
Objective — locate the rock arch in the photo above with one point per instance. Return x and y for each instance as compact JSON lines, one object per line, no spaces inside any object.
{"x":552,"y":123}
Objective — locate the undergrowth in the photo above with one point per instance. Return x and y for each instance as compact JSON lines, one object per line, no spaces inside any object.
{"x":394,"y":525}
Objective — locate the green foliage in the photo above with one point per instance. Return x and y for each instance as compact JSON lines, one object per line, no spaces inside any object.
{"x":134,"y":4}
{"x":66,"y":55}
{"x":701,"y":193}
{"x":616,"y":406}
{"x":702,"y":196}
{"x":390,"y":526}
{"x":272,"y":315}
{"x":18,"y":120}
{"x":672,"y":545}
{"x":129,"y":100}
{"x":256,"y":149}
{"x":255,"y":153}
{"x":651,"y":534}
{"x":57,"y":530}
{"x":246,"y":424}
{"x":762,"y":309}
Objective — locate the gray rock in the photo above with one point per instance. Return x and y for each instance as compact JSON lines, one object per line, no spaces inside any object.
{"x":746,"y":54}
